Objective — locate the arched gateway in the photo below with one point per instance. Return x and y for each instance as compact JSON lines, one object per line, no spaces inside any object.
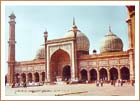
{"x":60,"y":65}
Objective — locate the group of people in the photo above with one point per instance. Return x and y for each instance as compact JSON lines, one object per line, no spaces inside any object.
{"x":118,"y":82}
{"x":99,"y":82}
{"x":26,"y":84}
{"x":22,"y":84}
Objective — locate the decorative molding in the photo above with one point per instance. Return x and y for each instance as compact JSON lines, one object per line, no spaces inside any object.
{"x":113,"y":62}
{"x":127,"y":66}
{"x":66,"y":47}
{"x":83,"y":68}
{"x":83,"y":63}
{"x":53,"y":49}
{"x":124,"y":61}
{"x":103,"y":63}
{"x":92,"y":63}
{"x":105,"y":67}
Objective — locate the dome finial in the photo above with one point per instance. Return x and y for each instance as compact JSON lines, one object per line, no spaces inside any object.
{"x":12,"y":15}
{"x":45,"y":30}
{"x":74,"y":25}
{"x":109,"y":28}
{"x":73,"y":21}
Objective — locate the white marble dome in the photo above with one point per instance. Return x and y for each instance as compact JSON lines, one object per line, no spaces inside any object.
{"x":82,"y":40}
{"x":111,"y":43}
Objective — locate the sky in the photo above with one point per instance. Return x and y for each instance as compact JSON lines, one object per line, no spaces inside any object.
{"x":93,"y":21}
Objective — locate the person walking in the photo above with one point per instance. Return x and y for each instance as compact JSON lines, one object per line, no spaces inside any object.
{"x":133,"y":82}
{"x":101,"y":83}
{"x":97,"y":83}
{"x":24,"y":84}
{"x":121,"y":81}
{"x":118,"y":82}
{"x":114,"y":83}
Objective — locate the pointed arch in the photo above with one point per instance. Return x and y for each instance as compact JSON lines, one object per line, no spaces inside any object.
{"x":23,"y":77}
{"x":103,"y":74}
{"x":113,"y":74}
{"x":125,"y":73}
{"x":36,"y":76}
{"x":59,"y":59}
{"x":17,"y":78}
{"x":66,"y":73}
{"x":83,"y":75}
{"x":93,"y":74}
{"x":43,"y":76}
{"x":29,"y":77}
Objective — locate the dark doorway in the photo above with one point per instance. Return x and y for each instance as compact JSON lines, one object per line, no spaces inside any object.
{"x":113,"y":74}
{"x":36,"y":77}
{"x":125,"y":74}
{"x":43,"y":76}
{"x":17,"y":78}
{"x":23,"y":77}
{"x":29,"y":77}
{"x":103,"y":74}
{"x":66,"y":73}
{"x":83,"y":75}
{"x":93,"y":75}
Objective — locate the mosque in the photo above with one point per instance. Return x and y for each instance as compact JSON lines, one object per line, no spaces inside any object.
{"x":68,"y":58}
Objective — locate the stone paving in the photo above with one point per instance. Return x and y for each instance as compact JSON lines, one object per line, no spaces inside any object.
{"x":73,"y":90}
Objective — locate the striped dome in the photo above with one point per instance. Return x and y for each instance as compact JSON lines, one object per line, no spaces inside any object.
{"x":111,"y":43}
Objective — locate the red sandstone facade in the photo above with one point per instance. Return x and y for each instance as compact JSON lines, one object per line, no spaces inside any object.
{"x":68,"y":59}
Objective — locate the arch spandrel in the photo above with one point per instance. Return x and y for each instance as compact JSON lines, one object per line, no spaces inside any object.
{"x":66,"y":48}
{"x":116,"y":67}
{"x":59,"y":50}
{"x":103,"y":68}
{"x":126,"y":66}
{"x":53,"y":50}
{"x":83,"y":68}
{"x":95,"y":68}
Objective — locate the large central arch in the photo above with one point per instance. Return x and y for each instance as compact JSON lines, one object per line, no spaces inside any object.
{"x":59,"y":59}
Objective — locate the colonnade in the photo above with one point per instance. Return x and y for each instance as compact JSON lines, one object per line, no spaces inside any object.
{"x":30,"y":77}
{"x":104,"y":74}
{"x":85,"y":75}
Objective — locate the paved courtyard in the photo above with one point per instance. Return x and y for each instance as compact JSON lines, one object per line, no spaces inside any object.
{"x":73,"y":90}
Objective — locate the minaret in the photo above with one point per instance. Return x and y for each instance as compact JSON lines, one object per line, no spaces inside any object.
{"x":75,"y":48}
{"x":131,"y":40}
{"x":11,"y":49}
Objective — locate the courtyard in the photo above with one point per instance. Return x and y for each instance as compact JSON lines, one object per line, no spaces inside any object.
{"x":72,"y":90}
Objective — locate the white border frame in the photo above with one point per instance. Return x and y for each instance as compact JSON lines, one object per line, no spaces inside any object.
{"x":68,"y":3}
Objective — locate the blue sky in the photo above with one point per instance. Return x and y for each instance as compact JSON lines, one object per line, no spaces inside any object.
{"x":32,"y":21}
